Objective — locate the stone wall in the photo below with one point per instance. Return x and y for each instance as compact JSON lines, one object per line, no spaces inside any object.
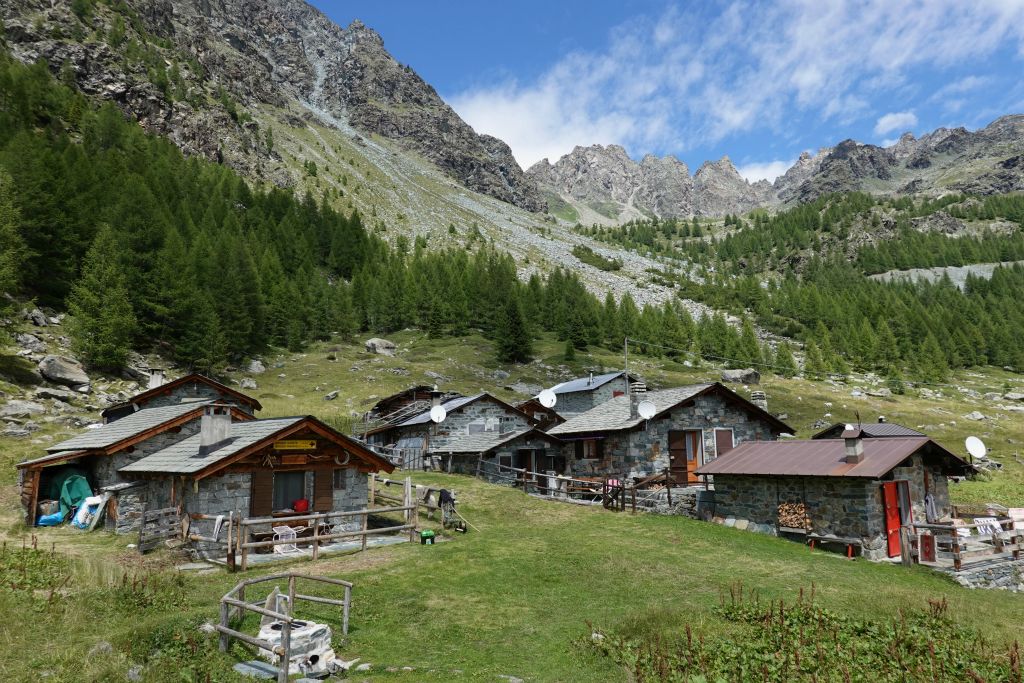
{"x":353,"y":497}
{"x":577,"y":402}
{"x":644,"y":450}
{"x":465,"y":463}
{"x":481,"y":412}
{"x":195,"y":391}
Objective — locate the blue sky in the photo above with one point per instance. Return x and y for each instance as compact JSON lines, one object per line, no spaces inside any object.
{"x":760,"y":82}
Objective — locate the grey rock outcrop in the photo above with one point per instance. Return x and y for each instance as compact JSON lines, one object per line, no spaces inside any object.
{"x":282,"y":53}
{"x":380,"y":346}
{"x":20,"y":408}
{"x":56,"y":394}
{"x":256,"y":367}
{"x":742,"y":376}
{"x":720,"y":189}
{"x":63,"y":370}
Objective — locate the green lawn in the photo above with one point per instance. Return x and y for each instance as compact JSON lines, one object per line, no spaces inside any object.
{"x":511,"y":598}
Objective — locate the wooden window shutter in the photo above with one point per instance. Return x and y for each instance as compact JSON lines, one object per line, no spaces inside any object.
{"x":323,"y":490}
{"x":261,"y":499}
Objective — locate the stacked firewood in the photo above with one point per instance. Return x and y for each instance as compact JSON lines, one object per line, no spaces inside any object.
{"x":794,"y":515}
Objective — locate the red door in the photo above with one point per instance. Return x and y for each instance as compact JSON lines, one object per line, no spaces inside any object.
{"x":891,"y":503}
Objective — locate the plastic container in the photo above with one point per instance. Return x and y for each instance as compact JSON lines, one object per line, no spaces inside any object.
{"x":426,"y":537}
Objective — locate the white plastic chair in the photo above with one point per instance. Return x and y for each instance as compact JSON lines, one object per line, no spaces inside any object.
{"x":285,"y":533}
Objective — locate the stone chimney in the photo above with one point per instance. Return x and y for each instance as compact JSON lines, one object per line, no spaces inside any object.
{"x":214,"y":428}
{"x":156,"y":378}
{"x":854,"y":446}
{"x":635,"y":389}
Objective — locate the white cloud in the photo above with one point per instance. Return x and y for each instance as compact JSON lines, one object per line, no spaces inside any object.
{"x":896,"y":120}
{"x":764,"y":170}
{"x":685,"y":79}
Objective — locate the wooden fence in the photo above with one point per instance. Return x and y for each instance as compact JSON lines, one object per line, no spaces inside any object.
{"x":945,"y":544}
{"x":233,"y":606}
{"x":612,"y":494}
{"x":158,"y":525}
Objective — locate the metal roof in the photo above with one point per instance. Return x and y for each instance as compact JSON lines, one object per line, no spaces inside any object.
{"x":127,"y":427}
{"x":449,"y":406}
{"x":586,"y":383}
{"x":871,"y":429}
{"x":486,"y":441}
{"x":183,"y":457}
{"x":827,"y":458}
{"x":613,"y":415}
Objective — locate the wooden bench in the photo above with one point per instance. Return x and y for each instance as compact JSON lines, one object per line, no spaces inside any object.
{"x":814,"y":539}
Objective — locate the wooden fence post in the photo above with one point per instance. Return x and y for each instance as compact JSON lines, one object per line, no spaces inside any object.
{"x":668,"y":486}
{"x":286,"y":644}
{"x":479,"y":465}
{"x":346,"y":608}
{"x":224,"y":638}
{"x":240,"y":612}
{"x":291,"y":596}
{"x":316,"y":538}
{"x":365,"y":516}
{"x":906,"y":550}
{"x":410,"y":512}
{"x":373,"y":489}
{"x":243,"y":534}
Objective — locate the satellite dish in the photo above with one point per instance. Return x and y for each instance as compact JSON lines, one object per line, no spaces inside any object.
{"x":438,"y":413}
{"x":547,"y":398}
{"x":646,"y":410}
{"x":850,"y":427}
{"x":976,"y":447}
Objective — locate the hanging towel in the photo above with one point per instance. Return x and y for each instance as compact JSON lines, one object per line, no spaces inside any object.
{"x":931,"y":513}
{"x":217,"y":524}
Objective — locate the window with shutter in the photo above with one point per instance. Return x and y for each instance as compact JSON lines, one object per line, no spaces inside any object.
{"x":261,"y":496}
{"x":323,"y":490}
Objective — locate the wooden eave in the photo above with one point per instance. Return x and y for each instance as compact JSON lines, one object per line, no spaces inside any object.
{"x":369,"y":458}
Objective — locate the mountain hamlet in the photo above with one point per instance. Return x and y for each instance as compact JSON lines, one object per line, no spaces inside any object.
{"x":303,"y":377}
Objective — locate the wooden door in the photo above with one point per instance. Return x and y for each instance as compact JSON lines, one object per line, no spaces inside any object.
{"x":684,"y":449}
{"x":891,"y":504}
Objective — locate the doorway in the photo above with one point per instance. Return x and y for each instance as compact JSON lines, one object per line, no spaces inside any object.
{"x":898,"y":513}
{"x":685,"y":455}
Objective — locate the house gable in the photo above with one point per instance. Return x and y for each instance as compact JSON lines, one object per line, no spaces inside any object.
{"x":193,"y":387}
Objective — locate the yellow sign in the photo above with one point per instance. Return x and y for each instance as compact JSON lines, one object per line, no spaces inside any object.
{"x":295,"y":445}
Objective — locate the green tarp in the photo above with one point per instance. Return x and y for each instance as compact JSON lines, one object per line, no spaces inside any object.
{"x":69,"y":487}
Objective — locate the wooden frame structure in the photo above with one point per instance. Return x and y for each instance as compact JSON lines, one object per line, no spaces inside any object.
{"x":234,"y":606}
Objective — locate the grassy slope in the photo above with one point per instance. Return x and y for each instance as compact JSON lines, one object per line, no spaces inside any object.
{"x":511,"y":598}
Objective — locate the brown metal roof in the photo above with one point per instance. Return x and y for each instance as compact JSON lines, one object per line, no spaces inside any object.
{"x":827,"y":458}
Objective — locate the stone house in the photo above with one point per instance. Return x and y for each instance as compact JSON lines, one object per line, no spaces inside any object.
{"x":205,"y":457}
{"x":856,"y":491}
{"x":580,"y":395}
{"x":546,"y":417}
{"x":689,"y":426}
{"x":464,"y":416}
{"x":190,"y":388}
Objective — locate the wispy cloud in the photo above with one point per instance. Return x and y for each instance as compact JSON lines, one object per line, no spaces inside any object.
{"x":683,"y":79}
{"x":895,"y":120}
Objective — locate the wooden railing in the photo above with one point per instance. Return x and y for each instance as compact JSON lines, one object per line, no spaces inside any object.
{"x":612,"y":494}
{"x":963,"y":551}
{"x":233,"y":606}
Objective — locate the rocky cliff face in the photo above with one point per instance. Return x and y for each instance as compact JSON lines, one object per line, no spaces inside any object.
{"x":656,"y":186}
{"x":228,"y":55}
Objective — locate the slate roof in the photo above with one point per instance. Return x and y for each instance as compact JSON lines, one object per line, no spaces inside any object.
{"x":827,"y":458}
{"x":871,"y":429}
{"x":613,"y":415}
{"x":52,"y":458}
{"x":144,"y":396}
{"x":183,"y":457}
{"x":486,"y":441}
{"x":585,"y":383}
{"x":448,"y":406}
{"x":127,"y":427}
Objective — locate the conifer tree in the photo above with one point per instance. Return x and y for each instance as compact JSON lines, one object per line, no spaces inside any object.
{"x":102,"y":321}
{"x":513,"y":339}
{"x":570,"y":351}
{"x":12,"y":247}
{"x":785,"y":364}
{"x":814,"y":365}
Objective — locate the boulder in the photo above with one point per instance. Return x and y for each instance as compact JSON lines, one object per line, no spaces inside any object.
{"x":57,"y":394}
{"x":380,"y":346}
{"x":63,"y":370}
{"x":256,"y":367}
{"x":30,"y":342}
{"x":976,"y":415}
{"x":21,"y":409}
{"x":1014,"y":396}
{"x":743,"y":376}
{"x":248,"y":383}
{"x":501,"y":374}
{"x":331,"y":395}
{"x":883,"y":392}
{"x":37,"y":317}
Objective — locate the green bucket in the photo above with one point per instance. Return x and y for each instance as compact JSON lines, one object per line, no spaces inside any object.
{"x":426,"y":537}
